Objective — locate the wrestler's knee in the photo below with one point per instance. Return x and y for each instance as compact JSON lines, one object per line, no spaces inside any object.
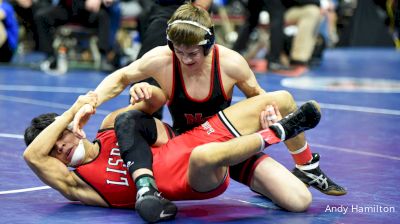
{"x":200,"y":157}
{"x":285,"y":102}
{"x":128,"y":117}
{"x":300,"y":201}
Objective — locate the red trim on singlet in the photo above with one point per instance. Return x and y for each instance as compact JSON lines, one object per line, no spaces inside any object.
{"x":219,"y":74}
{"x":211,"y":82}
{"x":215,"y":57}
{"x":251,"y":174}
{"x":173,"y":81}
{"x":243,"y":171}
{"x":170,"y":132}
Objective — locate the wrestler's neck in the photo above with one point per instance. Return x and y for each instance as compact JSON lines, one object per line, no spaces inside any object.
{"x":92,"y":150}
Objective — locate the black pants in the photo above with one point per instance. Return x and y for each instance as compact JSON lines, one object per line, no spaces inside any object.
{"x":6,"y":52}
{"x":26,"y":16}
{"x":276,"y":12}
{"x":48,"y":19}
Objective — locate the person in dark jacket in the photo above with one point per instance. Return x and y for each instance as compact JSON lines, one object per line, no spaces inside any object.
{"x":8,"y":31}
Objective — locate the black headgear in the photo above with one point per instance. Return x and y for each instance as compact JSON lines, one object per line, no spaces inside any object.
{"x":209,"y":37}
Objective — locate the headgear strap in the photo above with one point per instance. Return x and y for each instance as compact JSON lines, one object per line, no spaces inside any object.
{"x":191,"y":23}
{"x":208,"y":40}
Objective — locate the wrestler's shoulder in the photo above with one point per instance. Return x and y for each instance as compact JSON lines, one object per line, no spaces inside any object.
{"x":157,"y":53}
{"x":230,"y":58}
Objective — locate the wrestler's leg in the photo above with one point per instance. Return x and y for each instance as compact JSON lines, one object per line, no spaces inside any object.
{"x":271,"y":179}
{"x":135,"y":131}
{"x":307,"y":164}
{"x":247,"y":120}
{"x":277,"y":183}
{"x":208,"y":162}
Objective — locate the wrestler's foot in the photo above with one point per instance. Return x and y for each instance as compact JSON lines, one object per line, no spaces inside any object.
{"x":312,"y":175}
{"x":152,"y":207}
{"x":304,"y":118}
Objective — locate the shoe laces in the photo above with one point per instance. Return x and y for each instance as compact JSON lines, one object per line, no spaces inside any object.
{"x":321,"y":180}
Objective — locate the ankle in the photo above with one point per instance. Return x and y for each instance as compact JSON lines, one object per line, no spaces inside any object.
{"x":269,"y":137}
{"x":278,"y":130}
{"x":145,"y":180}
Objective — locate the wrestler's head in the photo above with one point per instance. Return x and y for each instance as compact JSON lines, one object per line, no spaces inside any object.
{"x":188,"y":27}
{"x":69,"y":149}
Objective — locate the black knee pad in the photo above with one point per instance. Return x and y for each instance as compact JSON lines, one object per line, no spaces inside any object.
{"x":136,"y":132}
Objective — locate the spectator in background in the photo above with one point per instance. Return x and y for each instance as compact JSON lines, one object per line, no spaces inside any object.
{"x":25,"y":10}
{"x":304,"y":13}
{"x":328,"y":22}
{"x":396,"y":32}
{"x":90,"y":13}
{"x":114,"y":11}
{"x":8,"y":31}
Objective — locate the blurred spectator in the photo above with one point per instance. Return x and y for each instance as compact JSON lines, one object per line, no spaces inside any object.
{"x":25,"y":10}
{"x":367,"y":25}
{"x":89,"y":13}
{"x":396,"y":31}
{"x":328,"y":24}
{"x":114,"y":11}
{"x":254,"y":7}
{"x":228,"y":35}
{"x":8,"y":31}
{"x":305,"y":14}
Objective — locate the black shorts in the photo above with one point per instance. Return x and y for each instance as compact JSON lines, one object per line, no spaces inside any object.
{"x":6,"y":52}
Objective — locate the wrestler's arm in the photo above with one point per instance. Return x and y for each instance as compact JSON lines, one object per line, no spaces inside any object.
{"x":237,"y":68}
{"x":149,"y":106}
{"x":150,"y":65}
{"x":49,"y":169}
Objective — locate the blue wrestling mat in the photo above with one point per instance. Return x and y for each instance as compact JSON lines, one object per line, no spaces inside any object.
{"x":358,"y":139}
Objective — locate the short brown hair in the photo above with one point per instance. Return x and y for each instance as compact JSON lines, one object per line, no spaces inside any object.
{"x":188,"y":34}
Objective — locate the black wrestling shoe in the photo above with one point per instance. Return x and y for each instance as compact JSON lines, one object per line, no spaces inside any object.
{"x":307,"y":116}
{"x":316,"y":178}
{"x":152,"y":207}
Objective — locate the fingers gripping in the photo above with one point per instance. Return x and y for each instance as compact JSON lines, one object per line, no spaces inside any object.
{"x":87,"y":107}
{"x":270,"y":115}
{"x":140,"y":91}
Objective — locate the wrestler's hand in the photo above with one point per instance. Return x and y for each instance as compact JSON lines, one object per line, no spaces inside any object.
{"x":270,"y":115}
{"x":140,"y":91}
{"x":88,"y":98}
{"x":85,"y":107}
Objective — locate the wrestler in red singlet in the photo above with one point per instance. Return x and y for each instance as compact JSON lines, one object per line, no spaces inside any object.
{"x":109,"y":177}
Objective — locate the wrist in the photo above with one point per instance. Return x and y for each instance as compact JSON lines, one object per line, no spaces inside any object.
{"x":68,"y":115}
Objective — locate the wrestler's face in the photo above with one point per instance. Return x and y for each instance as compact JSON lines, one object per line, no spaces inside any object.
{"x":65,"y":147}
{"x":190,"y":56}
